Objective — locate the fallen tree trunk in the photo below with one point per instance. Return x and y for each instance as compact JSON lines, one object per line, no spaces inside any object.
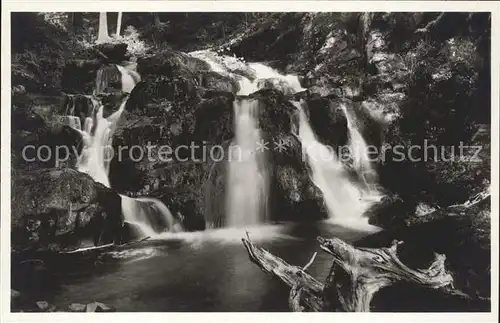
{"x":368,"y":270}
{"x":306,"y":292}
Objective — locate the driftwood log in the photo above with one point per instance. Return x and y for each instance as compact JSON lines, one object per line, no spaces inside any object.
{"x":368,"y":270}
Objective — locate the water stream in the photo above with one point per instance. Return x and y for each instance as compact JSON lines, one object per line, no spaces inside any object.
{"x":247,"y":179}
{"x":149,"y":215}
{"x":210,"y":270}
{"x":344,"y":198}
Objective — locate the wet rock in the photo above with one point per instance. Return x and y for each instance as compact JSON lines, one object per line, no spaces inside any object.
{"x":328,"y":120}
{"x":99,"y":307}
{"x":114,"y":53}
{"x":389,"y":212}
{"x":53,"y":202}
{"x":275,"y":112}
{"x":292,"y":192}
{"x":43,"y":306}
{"x":76,"y":307}
{"x":18,"y":89}
{"x":171,"y":63}
{"x":275,"y":83}
{"x":165,"y":92}
{"x":213,"y":81}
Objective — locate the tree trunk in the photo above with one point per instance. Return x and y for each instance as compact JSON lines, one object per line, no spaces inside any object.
{"x":77,"y":21}
{"x":103,"y":35}
{"x":118,"y":24}
{"x":306,"y":291}
{"x":368,"y":270}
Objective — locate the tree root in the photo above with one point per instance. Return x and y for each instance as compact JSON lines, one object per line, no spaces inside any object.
{"x":368,"y":270}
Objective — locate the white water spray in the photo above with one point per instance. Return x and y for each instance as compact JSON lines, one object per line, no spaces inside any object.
{"x":344,"y":199}
{"x":247,"y":181}
{"x":129,"y":78}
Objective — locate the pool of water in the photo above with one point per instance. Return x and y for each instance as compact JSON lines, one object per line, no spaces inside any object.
{"x":201,"y":271}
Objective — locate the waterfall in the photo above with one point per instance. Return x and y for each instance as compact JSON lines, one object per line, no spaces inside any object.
{"x":107,"y":75}
{"x":360,"y":153}
{"x":346,"y":198}
{"x":247,"y":180}
{"x":96,"y":153}
{"x":129,"y":78}
{"x":149,"y":215}
{"x":343,"y":197}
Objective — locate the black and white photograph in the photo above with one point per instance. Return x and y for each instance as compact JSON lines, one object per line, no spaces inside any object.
{"x":251,"y":161}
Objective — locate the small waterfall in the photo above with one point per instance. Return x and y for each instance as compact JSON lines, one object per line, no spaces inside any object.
{"x":129,"y":78}
{"x":360,"y":155}
{"x":107,"y":75}
{"x":97,"y":150}
{"x":150,"y":215}
{"x":343,"y":197}
{"x":247,"y":180}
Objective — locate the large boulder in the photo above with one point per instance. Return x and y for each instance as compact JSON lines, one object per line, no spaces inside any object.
{"x":171,"y":63}
{"x":112,"y":52}
{"x":49,"y":204}
{"x":294,"y":197}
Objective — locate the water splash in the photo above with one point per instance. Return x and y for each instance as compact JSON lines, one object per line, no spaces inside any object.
{"x":343,"y":197}
{"x":247,"y":180}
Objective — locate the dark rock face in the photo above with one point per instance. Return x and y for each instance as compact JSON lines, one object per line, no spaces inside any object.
{"x":49,"y":203}
{"x":171,"y":63}
{"x":293,"y":195}
{"x":35,"y":140}
{"x":114,"y":53}
{"x":79,"y":76}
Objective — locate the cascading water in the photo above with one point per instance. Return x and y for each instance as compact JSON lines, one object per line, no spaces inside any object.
{"x":150,"y":215}
{"x":247,"y":181}
{"x":250,"y":76}
{"x":128,"y":78}
{"x":95,"y":156}
{"x":344,"y":199}
{"x":359,"y":152}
